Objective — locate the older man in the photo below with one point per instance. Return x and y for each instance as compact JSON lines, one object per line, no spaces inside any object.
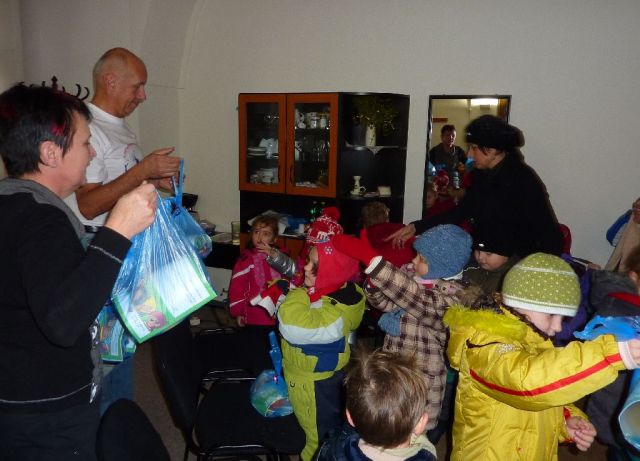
{"x":119,"y":79}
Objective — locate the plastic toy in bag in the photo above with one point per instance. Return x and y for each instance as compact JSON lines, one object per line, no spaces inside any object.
{"x":269,"y":395}
{"x":115,"y":343}
{"x":162,"y":279}
{"x":195,"y":234}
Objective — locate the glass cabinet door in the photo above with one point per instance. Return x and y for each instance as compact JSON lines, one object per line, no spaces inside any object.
{"x":312,"y":136}
{"x":262,"y":142}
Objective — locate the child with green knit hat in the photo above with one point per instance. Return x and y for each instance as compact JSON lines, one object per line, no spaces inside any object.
{"x":516,"y":390}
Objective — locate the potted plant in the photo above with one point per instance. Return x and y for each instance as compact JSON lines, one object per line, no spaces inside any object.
{"x":374,"y":112}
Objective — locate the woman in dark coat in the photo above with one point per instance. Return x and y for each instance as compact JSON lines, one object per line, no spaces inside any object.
{"x":504,"y":192}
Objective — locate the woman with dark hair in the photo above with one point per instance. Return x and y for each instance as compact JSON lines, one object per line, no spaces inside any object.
{"x":52,"y":287}
{"x":504,"y":192}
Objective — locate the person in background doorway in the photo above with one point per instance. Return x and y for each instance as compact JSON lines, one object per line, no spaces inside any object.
{"x":119,"y":79}
{"x":447,"y":153}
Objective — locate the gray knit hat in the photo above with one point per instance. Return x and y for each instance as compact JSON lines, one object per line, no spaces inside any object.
{"x":543,"y":283}
{"x":446,"y":248}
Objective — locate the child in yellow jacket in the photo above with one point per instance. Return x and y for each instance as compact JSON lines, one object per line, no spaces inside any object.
{"x":515,"y":390}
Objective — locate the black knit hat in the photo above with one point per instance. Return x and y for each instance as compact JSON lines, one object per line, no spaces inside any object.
{"x":496,"y":240}
{"x":491,"y":131}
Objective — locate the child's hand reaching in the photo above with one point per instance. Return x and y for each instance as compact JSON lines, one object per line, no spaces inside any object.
{"x":630,"y":353}
{"x":581,"y":431}
{"x":266,"y":249}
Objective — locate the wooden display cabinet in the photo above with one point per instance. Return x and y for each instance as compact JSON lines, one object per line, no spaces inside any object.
{"x":288,"y":143}
{"x":320,"y":148}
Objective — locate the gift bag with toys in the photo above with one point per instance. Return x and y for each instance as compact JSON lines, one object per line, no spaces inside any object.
{"x":162,"y":279}
{"x":269,"y":395}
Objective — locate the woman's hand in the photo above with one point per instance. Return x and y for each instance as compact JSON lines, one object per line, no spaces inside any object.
{"x":400,"y":236}
{"x":134,"y":211}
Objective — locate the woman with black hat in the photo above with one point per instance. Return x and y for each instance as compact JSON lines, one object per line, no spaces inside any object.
{"x":504,"y":192}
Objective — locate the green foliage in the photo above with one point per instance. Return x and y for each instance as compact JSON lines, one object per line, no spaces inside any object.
{"x":375,"y":110}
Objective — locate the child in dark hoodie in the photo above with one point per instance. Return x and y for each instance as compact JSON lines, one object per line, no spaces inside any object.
{"x":614,"y":294}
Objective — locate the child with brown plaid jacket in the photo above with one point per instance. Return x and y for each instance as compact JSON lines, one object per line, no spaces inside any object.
{"x":415,"y":298}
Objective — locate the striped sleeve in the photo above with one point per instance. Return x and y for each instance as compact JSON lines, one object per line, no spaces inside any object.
{"x":552,"y":377}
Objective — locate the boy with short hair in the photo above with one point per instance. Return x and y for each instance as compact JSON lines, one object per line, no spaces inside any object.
{"x":386,"y":401}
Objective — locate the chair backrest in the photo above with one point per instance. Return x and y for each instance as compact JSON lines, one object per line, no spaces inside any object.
{"x":126,"y":434}
{"x":180,"y":371}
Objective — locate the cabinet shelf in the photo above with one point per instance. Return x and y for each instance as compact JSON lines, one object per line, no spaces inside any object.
{"x":374,"y":149}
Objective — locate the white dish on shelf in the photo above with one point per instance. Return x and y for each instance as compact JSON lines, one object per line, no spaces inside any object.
{"x":257,"y":149}
{"x":256,"y":154}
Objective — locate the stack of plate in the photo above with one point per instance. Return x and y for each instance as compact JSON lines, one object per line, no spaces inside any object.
{"x":256,"y":151}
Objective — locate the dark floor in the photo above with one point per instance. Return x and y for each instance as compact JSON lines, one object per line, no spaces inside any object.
{"x":149,"y":397}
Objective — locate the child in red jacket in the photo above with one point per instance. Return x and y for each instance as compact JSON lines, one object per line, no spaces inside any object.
{"x":252,"y":273}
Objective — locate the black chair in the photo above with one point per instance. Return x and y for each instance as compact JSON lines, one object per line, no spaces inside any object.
{"x":126,"y":434}
{"x":228,"y":352}
{"x":218,"y":421}
{"x":234,"y":352}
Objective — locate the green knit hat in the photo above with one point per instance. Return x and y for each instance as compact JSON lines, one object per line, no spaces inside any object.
{"x":542,"y":283}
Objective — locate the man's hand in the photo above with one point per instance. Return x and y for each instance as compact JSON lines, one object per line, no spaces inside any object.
{"x":159,"y":164}
{"x":164,"y":184}
{"x":581,"y":431}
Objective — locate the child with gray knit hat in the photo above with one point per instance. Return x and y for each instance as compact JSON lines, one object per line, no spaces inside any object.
{"x":516,"y":390}
{"x":418,"y":294}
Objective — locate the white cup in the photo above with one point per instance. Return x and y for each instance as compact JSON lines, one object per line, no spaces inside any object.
{"x":384,"y":191}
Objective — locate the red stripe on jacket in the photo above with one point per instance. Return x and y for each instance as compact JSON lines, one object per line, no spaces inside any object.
{"x":551,"y":386}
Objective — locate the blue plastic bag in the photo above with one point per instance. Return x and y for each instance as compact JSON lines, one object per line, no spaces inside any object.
{"x":269,"y":395}
{"x":193,"y":232}
{"x":162,"y":279}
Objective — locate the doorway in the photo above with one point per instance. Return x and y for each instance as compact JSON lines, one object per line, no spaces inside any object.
{"x":457,"y":111}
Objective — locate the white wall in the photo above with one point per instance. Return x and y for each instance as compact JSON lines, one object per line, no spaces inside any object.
{"x":10,"y":47}
{"x":571,"y":68}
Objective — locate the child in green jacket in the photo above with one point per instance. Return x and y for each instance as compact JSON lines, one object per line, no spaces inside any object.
{"x":315,"y":322}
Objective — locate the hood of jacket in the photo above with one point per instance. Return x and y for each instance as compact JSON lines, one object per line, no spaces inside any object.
{"x":606,"y":286}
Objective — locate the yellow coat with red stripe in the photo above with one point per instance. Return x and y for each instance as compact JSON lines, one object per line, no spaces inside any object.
{"x":515,"y":388}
